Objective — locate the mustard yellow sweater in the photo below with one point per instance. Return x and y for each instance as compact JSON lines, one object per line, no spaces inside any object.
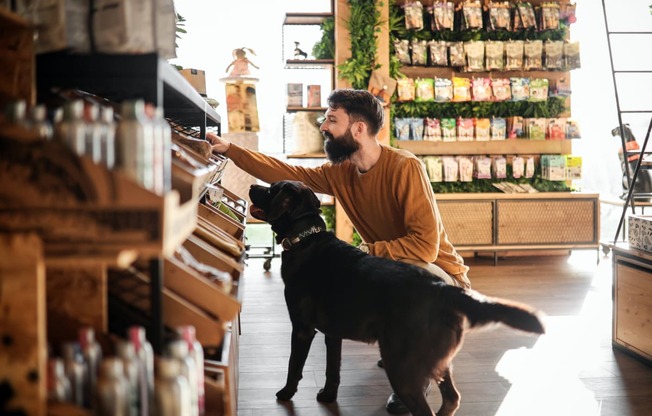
{"x":392,"y":206}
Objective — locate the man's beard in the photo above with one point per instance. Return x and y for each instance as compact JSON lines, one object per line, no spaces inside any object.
{"x":341,"y":148}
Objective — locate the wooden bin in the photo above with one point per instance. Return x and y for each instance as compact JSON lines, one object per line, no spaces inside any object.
{"x":16,"y":59}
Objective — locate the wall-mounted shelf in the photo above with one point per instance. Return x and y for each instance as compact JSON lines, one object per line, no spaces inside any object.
{"x":495,"y":147}
{"x":293,"y":109}
{"x":122,"y":77}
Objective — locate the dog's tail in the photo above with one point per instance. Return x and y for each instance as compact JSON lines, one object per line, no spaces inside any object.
{"x":482,"y":310}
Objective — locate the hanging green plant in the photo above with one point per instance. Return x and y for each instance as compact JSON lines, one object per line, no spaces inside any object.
{"x":363,"y":24}
{"x":325,"y":48}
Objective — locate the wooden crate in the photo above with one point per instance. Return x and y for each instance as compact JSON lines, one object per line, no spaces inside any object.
{"x":16,"y":59}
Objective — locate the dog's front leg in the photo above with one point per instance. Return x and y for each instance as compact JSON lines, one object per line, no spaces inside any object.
{"x":333,"y":363}
{"x":300,"y":346}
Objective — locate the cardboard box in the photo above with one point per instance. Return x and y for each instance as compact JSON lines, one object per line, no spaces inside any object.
{"x":639,"y":232}
{"x":196,"y":78}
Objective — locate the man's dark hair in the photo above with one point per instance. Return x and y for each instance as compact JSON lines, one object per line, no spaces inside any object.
{"x":360,"y":105}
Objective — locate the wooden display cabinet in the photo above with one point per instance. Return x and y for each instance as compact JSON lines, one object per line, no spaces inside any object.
{"x":632,"y":302}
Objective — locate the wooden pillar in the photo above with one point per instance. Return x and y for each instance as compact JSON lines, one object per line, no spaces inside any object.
{"x":23,"y":343}
{"x":343,"y":226}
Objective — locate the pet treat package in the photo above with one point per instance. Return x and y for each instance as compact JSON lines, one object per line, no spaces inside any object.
{"x":465,"y":168}
{"x":572,"y":55}
{"x":499,"y":164}
{"x":465,"y":129}
{"x":474,"y":51}
{"x":61,"y":24}
{"x":520,"y":89}
{"x":533,"y":55}
{"x":419,"y":52}
{"x":434,"y":168}
{"x":456,"y":54}
{"x":443,"y":15}
{"x":573,"y":129}
{"x":536,"y":128}
{"x":402,"y":51}
{"x":432,"y":130}
{"x":471,"y":15}
{"x":501,"y":89}
{"x":481,"y":89}
{"x":482,"y":129}
{"x":498,"y":128}
{"x":416,"y":128}
{"x":518,"y":167}
{"x":405,"y":89}
{"x":425,"y":89}
{"x":538,"y":89}
{"x":413,"y":15}
{"x":448,"y":129}
{"x":524,"y":16}
{"x":515,"y":128}
{"x":553,"y":167}
{"x":556,"y":129}
{"x":573,"y":167}
{"x":494,"y":55}
{"x":461,"y":89}
{"x":514,"y":55}
{"x":451,"y":168}
{"x":529,"y":167}
{"x":443,"y":90}
{"x":438,"y":53}
{"x":402,"y":128}
{"x":122,"y":26}
{"x":549,"y":16}
{"x":500,"y":17}
{"x":482,"y":167}
{"x":553,"y":54}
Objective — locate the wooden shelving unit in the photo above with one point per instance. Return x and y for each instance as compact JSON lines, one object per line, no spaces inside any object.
{"x":69,"y":228}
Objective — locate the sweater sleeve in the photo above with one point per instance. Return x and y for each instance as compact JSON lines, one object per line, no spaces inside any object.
{"x":270,"y":170}
{"x":420,"y":216}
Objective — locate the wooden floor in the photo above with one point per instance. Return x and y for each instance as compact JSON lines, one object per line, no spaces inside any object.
{"x":570,"y":371}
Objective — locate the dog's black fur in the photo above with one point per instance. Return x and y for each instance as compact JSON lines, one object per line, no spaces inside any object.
{"x":417,"y":320}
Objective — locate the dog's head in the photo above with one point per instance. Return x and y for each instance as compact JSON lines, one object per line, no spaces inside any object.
{"x":286,"y":206}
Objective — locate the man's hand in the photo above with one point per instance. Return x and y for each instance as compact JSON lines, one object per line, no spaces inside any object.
{"x":218,"y":144}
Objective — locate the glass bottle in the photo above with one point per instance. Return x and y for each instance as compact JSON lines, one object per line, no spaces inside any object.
{"x":126,"y":351}
{"x":39,"y":123}
{"x":145,"y":355}
{"x":111,"y":391}
{"x":179,"y":349}
{"x":188,"y":334}
{"x":172,"y":394}
{"x":71,"y":130}
{"x":75,"y":370}
{"x":92,"y":142}
{"x":135,"y":143}
{"x":107,"y":136}
{"x":92,"y":355}
{"x":58,"y":384}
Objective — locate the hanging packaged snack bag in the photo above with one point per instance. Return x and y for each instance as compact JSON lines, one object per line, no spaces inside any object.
{"x":498,"y":128}
{"x":501,"y":89}
{"x":538,"y":89}
{"x":413,"y":15}
{"x":482,"y":129}
{"x":482,"y":167}
{"x":514,"y":55}
{"x":465,"y":129}
{"x":520,"y":89}
{"x":419,"y":52}
{"x":481,"y":89}
{"x":471,"y":15}
{"x":405,"y":89}
{"x":494,"y":55}
{"x":443,"y":90}
{"x":461,"y":89}
{"x":433,"y":168}
{"x":451,"y":168}
{"x":438,"y":53}
{"x":499,"y":16}
{"x":533,"y":55}
{"x":448,"y":129}
{"x":402,"y":51}
{"x":416,"y":128}
{"x":553,"y":54}
{"x":518,"y":167}
{"x":572,"y":55}
{"x":465,"y":168}
{"x":474,"y":51}
{"x":432,"y":130}
{"x":425,"y":90}
{"x":456,"y":54}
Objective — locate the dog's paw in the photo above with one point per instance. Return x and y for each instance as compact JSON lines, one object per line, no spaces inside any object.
{"x":285,"y":394}
{"x":327,"y":395}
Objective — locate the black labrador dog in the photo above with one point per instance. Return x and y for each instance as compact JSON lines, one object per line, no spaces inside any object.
{"x":417,"y":320}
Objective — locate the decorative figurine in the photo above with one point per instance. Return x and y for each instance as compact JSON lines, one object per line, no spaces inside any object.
{"x":240,"y":62}
{"x":298,"y":53}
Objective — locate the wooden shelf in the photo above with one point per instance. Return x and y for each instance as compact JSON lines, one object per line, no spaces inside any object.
{"x":306,"y":18}
{"x":448,"y":72}
{"x":294,"y":109}
{"x":307,"y":156}
{"x":309,"y":63}
{"x":494,"y":147}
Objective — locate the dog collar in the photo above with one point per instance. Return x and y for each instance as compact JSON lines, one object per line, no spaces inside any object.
{"x":288,"y":242}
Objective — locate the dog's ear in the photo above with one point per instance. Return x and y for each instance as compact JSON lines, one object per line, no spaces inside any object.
{"x":304,"y":202}
{"x":281,"y":203}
